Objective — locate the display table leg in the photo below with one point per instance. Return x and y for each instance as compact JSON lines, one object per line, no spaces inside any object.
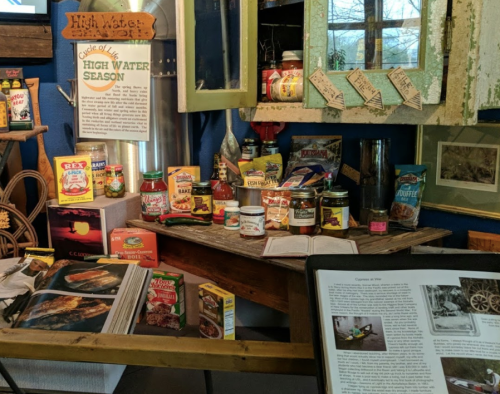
{"x":300,"y":324}
{"x":12,"y":384}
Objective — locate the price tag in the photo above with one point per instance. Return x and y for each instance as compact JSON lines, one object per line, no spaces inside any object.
{"x":333,"y":96}
{"x":406,"y":89}
{"x":350,"y":172}
{"x":372,"y":96}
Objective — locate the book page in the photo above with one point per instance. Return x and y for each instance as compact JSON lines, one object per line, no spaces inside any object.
{"x":296,"y":245}
{"x":322,"y":244}
{"x":413,"y":331}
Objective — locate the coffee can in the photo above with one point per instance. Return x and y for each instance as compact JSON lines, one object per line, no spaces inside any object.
{"x":20,"y":104}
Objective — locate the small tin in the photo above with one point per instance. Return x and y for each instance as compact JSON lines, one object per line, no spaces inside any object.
{"x":20,"y":104}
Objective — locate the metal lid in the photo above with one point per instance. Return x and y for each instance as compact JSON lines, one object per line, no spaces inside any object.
{"x":339,"y":193}
{"x":153,"y":175}
{"x":270,"y":142}
{"x":115,"y":167}
{"x":252,"y":209}
{"x":293,"y":55}
{"x":201,"y":184}
{"x":379,"y":211}
{"x":302,"y":192}
{"x":251,"y":140}
{"x":90,"y":146}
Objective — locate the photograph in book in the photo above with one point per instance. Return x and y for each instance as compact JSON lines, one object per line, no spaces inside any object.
{"x":482,"y":295}
{"x":448,"y":311}
{"x":471,"y":375}
{"x":359,"y":333}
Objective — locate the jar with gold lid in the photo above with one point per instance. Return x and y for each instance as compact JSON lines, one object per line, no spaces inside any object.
{"x":378,"y":222}
{"x":335,"y":213}
{"x":302,"y":211}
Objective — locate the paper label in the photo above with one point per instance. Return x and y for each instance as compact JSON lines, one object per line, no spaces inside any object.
{"x":336,"y":218}
{"x":406,"y":89}
{"x":302,"y":217}
{"x":232,"y":219}
{"x":154,"y":203}
{"x":252,"y":225}
{"x":360,"y":82}
{"x":20,"y":104}
{"x":218,"y":209}
{"x":98,"y":174}
{"x":377,"y":226}
{"x":333,"y":96}
{"x":201,"y":204}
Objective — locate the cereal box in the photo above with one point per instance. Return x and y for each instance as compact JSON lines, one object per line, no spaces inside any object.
{"x":165,"y":304}
{"x":135,"y":244}
{"x":74,"y":179}
{"x":180,"y":180}
{"x":216,"y":312}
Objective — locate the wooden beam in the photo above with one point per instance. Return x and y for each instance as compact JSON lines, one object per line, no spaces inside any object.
{"x":483,"y":241}
{"x":157,"y":351}
{"x":26,"y":41}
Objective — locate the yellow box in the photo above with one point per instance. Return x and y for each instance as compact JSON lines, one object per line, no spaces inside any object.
{"x":217,"y":312}
{"x":74,"y":179}
{"x":180,"y":180}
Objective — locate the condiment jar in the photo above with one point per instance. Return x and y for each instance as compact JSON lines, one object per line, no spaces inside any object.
{"x":292,"y":63}
{"x":335,"y":213}
{"x":115,"y":181}
{"x":378,"y":222}
{"x":232,"y":216}
{"x":287,"y":89}
{"x":250,"y":149}
{"x":302,"y":211}
{"x":154,"y":196}
{"x":201,"y":200}
{"x":252,"y":222}
{"x":269,"y":148}
{"x":99,"y":157}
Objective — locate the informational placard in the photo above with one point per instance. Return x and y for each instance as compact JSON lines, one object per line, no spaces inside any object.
{"x":406,"y":89}
{"x":113,"y":90}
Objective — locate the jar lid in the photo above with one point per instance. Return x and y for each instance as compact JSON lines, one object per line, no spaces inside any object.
{"x":252,"y":209}
{"x":90,"y":146}
{"x":302,"y":192}
{"x":152,"y":175}
{"x":201,"y":184}
{"x":379,"y":211}
{"x":336,"y":193}
{"x":251,"y":140}
{"x":270,"y":142}
{"x":232,"y":203}
{"x":293,"y":55}
{"x":116,"y":167}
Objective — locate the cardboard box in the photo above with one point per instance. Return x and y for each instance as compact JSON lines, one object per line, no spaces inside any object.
{"x":165,"y":306}
{"x":135,"y":244}
{"x":216,"y":312}
{"x":73,"y":179}
{"x":11,"y":73}
{"x":180,"y":180}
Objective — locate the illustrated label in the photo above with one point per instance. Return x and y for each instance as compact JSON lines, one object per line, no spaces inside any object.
{"x":74,"y":179}
{"x":218,"y":210}
{"x":115,"y":183}
{"x":19,"y":104}
{"x":201,"y":204}
{"x":249,"y":152}
{"x":232,"y":220}
{"x":252,"y":225}
{"x":302,"y":217}
{"x":98,"y":174}
{"x":336,"y":218}
{"x":154,"y":203}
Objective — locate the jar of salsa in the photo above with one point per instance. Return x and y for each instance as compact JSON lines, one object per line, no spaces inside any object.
{"x":201,"y":200}
{"x":115,"y":182}
{"x":335,"y":213}
{"x":154,"y":196}
{"x":302,"y":213}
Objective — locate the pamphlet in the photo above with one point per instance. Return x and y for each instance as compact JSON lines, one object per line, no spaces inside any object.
{"x":304,"y":245}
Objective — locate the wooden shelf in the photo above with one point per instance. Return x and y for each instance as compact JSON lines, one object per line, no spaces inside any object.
{"x":23,"y":135}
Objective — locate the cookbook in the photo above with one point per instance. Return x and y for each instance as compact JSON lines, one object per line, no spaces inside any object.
{"x":304,"y":245}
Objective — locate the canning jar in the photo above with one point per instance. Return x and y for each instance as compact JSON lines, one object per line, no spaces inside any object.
{"x":99,"y":157}
{"x":269,"y":148}
{"x":302,"y":212}
{"x":292,"y":63}
{"x":250,"y":148}
{"x":115,"y":182}
{"x":287,"y":89}
{"x":378,"y":222}
{"x":252,"y":222}
{"x":201,"y":200}
{"x":154,"y":196}
{"x":335,"y":213}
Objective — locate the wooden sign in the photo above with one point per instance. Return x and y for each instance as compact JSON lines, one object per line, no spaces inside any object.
{"x":333,"y":96}
{"x":406,"y":89}
{"x":109,"y":26}
{"x":372,"y":96}
{"x":351,"y":173}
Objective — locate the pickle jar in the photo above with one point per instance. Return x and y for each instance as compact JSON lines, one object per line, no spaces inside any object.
{"x":378,"y":222}
{"x":335,"y":213}
{"x":115,"y":181}
{"x":302,"y":212}
{"x":201,"y":200}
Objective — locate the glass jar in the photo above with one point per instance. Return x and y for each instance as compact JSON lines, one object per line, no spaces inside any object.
{"x":154,"y":196}
{"x":232,"y":216}
{"x":115,"y":182}
{"x":335,"y":213}
{"x":378,"y":222}
{"x":99,"y":158}
{"x":250,"y":149}
{"x":252,"y":222}
{"x":269,"y":148}
{"x":201,"y":200}
{"x":302,"y":213}
{"x":287,"y":89}
{"x":292,"y":63}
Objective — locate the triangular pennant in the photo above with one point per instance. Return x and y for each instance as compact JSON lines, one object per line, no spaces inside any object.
{"x":414,"y":102}
{"x":375,"y":101}
{"x":338,"y":102}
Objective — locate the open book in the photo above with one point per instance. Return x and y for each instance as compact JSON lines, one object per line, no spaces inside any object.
{"x":304,"y":245}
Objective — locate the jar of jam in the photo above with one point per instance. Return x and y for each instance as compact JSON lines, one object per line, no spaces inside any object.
{"x":154,"y":196}
{"x":302,"y":211}
{"x":292,"y":63}
{"x":201,"y":200}
{"x":378,"y":222}
{"x":250,"y":149}
{"x":335,"y":213}
{"x":252,"y":222}
{"x":269,"y":148}
{"x":115,"y":182}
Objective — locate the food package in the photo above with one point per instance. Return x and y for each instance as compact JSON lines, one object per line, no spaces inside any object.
{"x":272,"y":166}
{"x":165,"y":305}
{"x":44,"y":254}
{"x":180,"y":180}
{"x":135,"y":244}
{"x":73,"y":179}
{"x":304,"y":176}
{"x":410,"y":184}
{"x":216,"y":312}
{"x":251,"y":177}
{"x":276,"y":204}
{"x":315,"y":150}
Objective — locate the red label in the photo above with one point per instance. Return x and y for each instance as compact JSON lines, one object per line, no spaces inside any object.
{"x":74,"y":165}
{"x":377,"y":226}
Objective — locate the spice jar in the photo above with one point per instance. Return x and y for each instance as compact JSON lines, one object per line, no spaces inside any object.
{"x":154,"y":196}
{"x":269,"y":148}
{"x":115,"y":182}
{"x":232,"y":216}
{"x":250,"y":149}
{"x":378,"y":222}
{"x":292,"y":63}
{"x":335,"y":213}
{"x":287,"y":89}
{"x":252,"y":222}
{"x":201,"y":200}
{"x":302,"y":212}
{"x":99,"y":157}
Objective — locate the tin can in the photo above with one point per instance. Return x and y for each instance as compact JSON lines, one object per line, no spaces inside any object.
{"x":20,"y":104}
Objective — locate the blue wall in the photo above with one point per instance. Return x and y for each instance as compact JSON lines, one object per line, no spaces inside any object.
{"x":210,"y":130}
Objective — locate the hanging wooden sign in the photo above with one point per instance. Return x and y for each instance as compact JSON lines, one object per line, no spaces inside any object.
{"x":333,"y":96}
{"x":351,"y":173}
{"x":109,"y":26}
{"x":406,"y":89}
{"x":372,"y":96}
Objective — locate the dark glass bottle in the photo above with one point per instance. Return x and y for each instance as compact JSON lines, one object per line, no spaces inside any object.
{"x":214,"y":178}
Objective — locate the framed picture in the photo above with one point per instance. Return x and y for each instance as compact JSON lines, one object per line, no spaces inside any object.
{"x":462,"y":168}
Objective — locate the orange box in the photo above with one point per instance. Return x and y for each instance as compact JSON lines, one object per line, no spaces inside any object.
{"x":135,"y":244}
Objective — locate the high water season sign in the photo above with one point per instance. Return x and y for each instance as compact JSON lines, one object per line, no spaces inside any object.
{"x":113,"y":90}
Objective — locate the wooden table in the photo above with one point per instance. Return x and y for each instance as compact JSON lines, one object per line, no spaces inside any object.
{"x":235,"y":264}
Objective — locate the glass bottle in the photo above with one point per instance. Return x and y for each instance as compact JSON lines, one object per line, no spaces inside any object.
{"x":222,"y":193}
{"x":214,"y":178}
{"x":154,"y":196}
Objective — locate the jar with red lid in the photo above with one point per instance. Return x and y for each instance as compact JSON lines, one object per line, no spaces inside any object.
{"x":154,"y":196}
{"x":115,"y":181}
{"x":292,"y":63}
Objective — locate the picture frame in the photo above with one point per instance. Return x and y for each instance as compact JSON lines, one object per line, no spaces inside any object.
{"x":463,"y":164}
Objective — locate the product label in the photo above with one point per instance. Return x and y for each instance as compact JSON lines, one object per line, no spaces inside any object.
{"x":377,"y":226}
{"x":19,"y":104}
{"x":74,"y":180}
{"x":154,"y":203}
{"x":180,"y":185}
{"x":249,"y":152}
{"x":252,"y":225}
{"x":98,"y":174}
{"x":336,"y":218}
{"x":201,"y":204}
{"x":218,"y":209}
{"x":115,"y":183}
{"x":302,"y":217}
{"x":4,"y":120}
{"x":288,"y":87}
{"x":267,"y":76}
{"x":232,"y":219}
{"x":294,"y":72}
{"x":269,"y":150}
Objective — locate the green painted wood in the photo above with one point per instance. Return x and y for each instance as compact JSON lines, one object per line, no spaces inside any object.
{"x":427,"y":78}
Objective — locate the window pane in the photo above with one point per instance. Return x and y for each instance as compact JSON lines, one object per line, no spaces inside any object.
{"x":346,"y":11}
{"x":402,"y":9}
{"x":346,"y":49}
{"x":400,"y":47}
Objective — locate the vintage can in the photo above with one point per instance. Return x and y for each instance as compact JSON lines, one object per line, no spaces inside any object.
{"x":20,"y":104}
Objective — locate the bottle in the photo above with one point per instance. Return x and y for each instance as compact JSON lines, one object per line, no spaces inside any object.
{"x":222,"y":193}
{"x":4,"y":114}
{"x":6,"y":91}
{"x":154,"y":196}
{"x":214,"y":178}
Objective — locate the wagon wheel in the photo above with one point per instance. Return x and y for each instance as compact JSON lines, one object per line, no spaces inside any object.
{"x":478,"y":286}
{"x":479,"y":303}
{"x":494,"y":302}
{"x":484,"y":293}
{"x":9,"y":243}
